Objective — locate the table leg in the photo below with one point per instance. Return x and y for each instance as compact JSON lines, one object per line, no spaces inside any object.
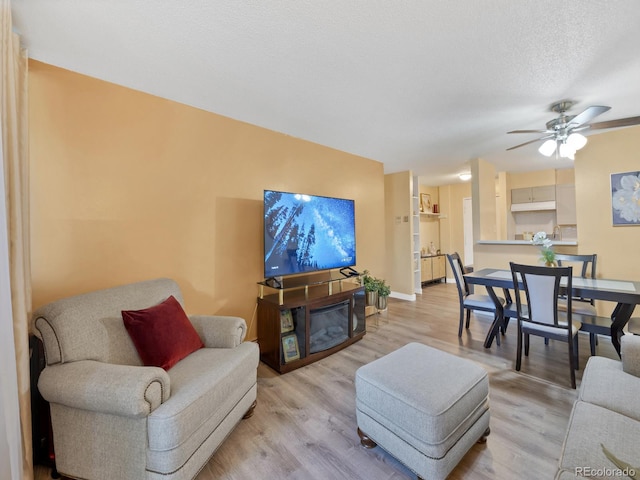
{"x":619,"y":318}
{"x":508,"y":301}
{"x":498,"y":319}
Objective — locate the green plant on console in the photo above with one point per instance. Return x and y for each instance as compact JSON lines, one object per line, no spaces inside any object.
{"x":384,"y":290}
{"x":370,"y":283}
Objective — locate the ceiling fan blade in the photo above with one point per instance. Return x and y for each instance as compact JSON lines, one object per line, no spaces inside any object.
{"x":580,"y":128}
{"x":531,"y":141}
{"x":529,"y":131}
{"x":620,"y":122}
{"x":588,"y":114}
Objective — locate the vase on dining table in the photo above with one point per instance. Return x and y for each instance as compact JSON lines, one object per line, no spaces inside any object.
{"x":546,"y":250}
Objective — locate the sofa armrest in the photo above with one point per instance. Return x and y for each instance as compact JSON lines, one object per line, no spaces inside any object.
{"x":219,"y":331}
{"x":630,"y":352}
{"x":124,"y":390}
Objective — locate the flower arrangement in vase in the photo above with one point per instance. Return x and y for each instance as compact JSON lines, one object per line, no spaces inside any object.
{"x":548,"y":255}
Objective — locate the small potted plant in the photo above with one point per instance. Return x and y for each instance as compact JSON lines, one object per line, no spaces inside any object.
{"x":370,"y":287}
{"x":384,"y":291}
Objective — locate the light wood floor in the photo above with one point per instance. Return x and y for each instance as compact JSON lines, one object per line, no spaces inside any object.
{"x":304,"y":426}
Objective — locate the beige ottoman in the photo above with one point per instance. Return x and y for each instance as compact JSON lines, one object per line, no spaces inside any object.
{"x":425,"y":407}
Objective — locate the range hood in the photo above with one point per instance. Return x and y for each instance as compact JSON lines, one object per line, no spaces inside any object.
{"x":533,"y":206}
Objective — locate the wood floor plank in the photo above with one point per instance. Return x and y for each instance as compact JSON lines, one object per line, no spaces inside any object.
{"x":304,"y":426}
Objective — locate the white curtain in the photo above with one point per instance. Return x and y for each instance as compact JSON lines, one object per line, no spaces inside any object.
{"x":15,"y":277}
{"x":10,"y":434}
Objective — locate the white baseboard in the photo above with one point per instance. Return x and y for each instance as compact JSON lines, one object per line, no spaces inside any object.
{"x":403,"y":296}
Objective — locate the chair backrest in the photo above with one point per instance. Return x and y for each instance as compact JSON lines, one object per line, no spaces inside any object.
{"x":541,"y":286}
{"x":587,"y":264}
{"x":584,"y":261}
{"x":90,"y":327}
{"x":458,"y":271}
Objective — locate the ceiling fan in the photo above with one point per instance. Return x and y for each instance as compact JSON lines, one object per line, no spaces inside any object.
{"x":562,"y":134}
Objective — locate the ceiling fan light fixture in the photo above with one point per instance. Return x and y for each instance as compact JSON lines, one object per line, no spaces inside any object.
{"x":576,"y":141}
{"x":561,"y":133}
{"x":464,"y":176}
{"x":547,"y":148}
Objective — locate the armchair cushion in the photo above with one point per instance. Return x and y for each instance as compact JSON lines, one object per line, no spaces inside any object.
{"x":162,"y":334}
{"x":205,"y":387}
{"x":603,"y":376}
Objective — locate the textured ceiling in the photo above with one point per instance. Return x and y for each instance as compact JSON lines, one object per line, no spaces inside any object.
{"x":424,"y":85}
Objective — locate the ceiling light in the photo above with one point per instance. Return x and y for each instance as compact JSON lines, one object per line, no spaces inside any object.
{"x":464,"y":176}
{"x":567,"y":151}
{"x":547,"y":148}
{"x":576,"y":141}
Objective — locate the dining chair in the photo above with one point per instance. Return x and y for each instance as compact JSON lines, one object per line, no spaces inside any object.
{"x":541,"y":286}
{"x":591,"y":322}
{"x":470,"y":301}
{"x":587,"y":264}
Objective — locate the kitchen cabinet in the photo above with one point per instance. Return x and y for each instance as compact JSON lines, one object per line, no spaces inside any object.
{"x":438,"y":267}
{"x":521,"y":195}
{"x":546,"y":193}
{"x":433,"y":268}
{"x":566,"y":205}
{"x":425,"y":270}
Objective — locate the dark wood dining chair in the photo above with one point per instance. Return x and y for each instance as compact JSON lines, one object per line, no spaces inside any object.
{"x":470,"y":301}
{"x":592,"y":324}
{"x":587,"y":264}
{"x":543,"y":318}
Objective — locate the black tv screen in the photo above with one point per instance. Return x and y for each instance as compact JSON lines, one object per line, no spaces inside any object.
{"x":307,"y":233}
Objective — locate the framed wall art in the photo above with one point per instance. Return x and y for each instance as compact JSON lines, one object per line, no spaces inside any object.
{"x":425,"y":203}
{"x":625,"y":198}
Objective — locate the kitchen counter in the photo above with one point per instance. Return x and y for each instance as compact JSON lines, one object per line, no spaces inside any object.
{"x":499,"y":253}
{"x":572,"y":243}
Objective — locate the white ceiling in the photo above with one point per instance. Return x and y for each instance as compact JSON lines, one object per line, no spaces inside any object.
{"x":424,"y":85}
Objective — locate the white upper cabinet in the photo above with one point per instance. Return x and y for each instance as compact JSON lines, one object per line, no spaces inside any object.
{"x":566,"y":205}
{"x":546,"y":193}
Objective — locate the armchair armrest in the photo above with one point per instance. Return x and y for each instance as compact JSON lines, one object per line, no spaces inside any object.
{"x":124,"y":390}
{"x":630,"y":352}
{"x":219,"y":331}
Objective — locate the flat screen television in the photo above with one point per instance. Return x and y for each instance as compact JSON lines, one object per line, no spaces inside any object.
{"x":307,"y":233}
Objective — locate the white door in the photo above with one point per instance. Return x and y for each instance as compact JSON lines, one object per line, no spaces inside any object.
{"x":467,"y":219}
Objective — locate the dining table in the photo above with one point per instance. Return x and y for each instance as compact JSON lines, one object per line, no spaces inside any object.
{"x":625,"y":293}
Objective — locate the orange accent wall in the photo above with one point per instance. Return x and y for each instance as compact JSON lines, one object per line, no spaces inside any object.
{"x":126,"y":186}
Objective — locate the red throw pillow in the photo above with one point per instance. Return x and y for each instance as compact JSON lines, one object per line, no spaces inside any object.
{"x":162,"y":334}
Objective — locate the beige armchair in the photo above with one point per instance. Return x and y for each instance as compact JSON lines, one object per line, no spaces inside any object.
{"x":114,"y":418}
{"x":604,"y":426}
